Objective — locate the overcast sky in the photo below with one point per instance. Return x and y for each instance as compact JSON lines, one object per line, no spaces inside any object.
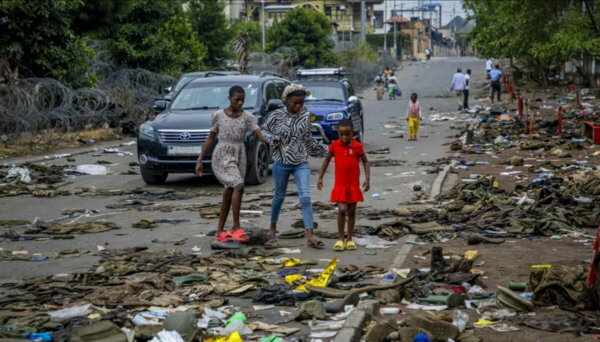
{"x":447,"y":7}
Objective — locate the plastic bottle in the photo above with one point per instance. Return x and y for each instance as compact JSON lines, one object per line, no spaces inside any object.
{"x":390,"y":311}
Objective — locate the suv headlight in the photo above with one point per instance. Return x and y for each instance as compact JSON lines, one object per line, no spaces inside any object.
{"x":335,"y":116}
{"x":147,"y":130}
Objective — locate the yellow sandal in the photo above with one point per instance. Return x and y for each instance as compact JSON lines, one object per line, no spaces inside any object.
{"x":351,"y":246}
{"x":339,"y":246}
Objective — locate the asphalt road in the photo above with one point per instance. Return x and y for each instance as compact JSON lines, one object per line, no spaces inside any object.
{"x":394,"y":184}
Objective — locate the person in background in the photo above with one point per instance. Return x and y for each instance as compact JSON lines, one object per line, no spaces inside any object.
{"x":458,"y":85}
{"x":428,"y":53}
{"x":413,"y":116}
{"x":495,"y":77}
{"x":392,"y":86}
{"x":467,"y":88}
{"x":488,"y":67}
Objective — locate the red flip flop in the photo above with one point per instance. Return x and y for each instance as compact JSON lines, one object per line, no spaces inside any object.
{"x":239,"y":235}
{"x":224,"y":237}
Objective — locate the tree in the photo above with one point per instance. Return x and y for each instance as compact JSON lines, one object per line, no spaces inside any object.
{"x":210,"y":24}
{"x":308,"y":33}
{"x":512,"y":29}
{"x":156,"y":35}
{"x":36,"y":36}
{"x":99,"y":18}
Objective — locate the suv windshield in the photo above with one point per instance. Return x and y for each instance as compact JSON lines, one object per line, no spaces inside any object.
{"x":212,"y":96}
{"x":183,"y":81}
{"x":325,"y":92}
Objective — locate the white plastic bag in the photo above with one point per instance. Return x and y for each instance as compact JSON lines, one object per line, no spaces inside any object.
{"x":90,"y":169}
{"x":460,"y":319}
{"x":167,"y":336}
{"x":18,"y":174}
{"x":373,"y":241}
{"x":75,"y":311}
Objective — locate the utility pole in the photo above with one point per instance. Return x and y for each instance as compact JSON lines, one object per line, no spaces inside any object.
{"x":401,"y":36}
{"x":384,"y":26}
{"x":394,"y":18}
{"x":343,"y":9}
{"x":363,"y":21}
{"x":263,"y":24}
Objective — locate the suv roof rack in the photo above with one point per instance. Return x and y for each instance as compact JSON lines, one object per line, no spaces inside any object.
{"x":268,"y":73}
{"x":322,"y":72}
{"x":220,"y":73}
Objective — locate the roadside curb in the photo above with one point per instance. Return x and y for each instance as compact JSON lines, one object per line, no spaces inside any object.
{"x":73,"y":151}
{"x":436,"y":187}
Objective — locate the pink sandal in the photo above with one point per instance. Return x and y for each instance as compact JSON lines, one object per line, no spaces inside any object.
{"x":239,"y":235}
{"x":224,"y":237}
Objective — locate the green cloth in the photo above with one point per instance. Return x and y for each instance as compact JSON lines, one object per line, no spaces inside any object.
{"x":238,"y":316}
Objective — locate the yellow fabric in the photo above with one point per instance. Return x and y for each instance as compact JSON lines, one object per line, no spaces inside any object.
{"x":233,"y":337}
{"x":289,"y":262}
{"x":483,"y":322}
{"x":321,"y":281}
{"x":413,"y":127}
{"x":471,"y":255}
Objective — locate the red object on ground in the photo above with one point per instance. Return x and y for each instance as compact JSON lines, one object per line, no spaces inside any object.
{"x":520,"y":107}
{"x":591,"y":131}
{"x":456,"y":289}
{"x":591,"y":279}
{"x":559,"y":120}
{"x":531,"y":119}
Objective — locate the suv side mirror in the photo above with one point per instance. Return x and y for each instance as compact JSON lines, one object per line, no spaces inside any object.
{"x":168,"y":89}
{"x":353,"y":98}
{"x":274,"y":104}
{"x":160,"y":105}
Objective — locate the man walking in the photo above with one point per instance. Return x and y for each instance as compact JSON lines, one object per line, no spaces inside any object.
{"x":495,"y":77}
{"x":488,"y":67}
{"x":458,"y":85}
{"x":428,"y":53}
{"x":467,"y":88}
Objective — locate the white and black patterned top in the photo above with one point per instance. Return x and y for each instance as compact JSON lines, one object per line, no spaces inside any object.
{"x":293,"y":131}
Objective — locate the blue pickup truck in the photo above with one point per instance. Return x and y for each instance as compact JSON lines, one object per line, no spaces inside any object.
{"x":332,"y":98}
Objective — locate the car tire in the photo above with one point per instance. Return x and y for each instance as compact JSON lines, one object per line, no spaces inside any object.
{"x":153,"y":178}
{"x":258,"y":164}
{"x":361,"y":132}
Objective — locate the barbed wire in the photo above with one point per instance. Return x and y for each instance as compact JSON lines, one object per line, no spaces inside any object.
{"x":122,"y":97}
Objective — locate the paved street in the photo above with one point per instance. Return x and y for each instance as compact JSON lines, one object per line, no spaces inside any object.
{"x":393,"y":184}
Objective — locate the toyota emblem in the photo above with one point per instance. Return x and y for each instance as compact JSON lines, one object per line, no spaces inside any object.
{"x":185,"y":136}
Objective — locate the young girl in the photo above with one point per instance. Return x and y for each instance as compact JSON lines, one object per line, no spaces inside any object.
{"x":413,"y":116}
{"x":346,"y":190}
{"x":229,"y":159}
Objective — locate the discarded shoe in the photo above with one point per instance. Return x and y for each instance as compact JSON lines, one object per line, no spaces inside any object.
{"x":226,"y":245}
{"x":382,"y":330}
{"x":440,"y":330}
{"x":438,"y":264}
{"x":292,"y":234}
{"x":338,"y":306}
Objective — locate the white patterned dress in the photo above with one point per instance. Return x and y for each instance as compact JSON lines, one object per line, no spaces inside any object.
{"x":229,"y":156}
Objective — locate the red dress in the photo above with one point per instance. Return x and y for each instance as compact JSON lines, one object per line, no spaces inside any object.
{"x":347,"y":172}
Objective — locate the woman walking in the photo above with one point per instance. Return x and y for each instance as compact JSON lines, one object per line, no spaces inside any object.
{"x":290,"y":131}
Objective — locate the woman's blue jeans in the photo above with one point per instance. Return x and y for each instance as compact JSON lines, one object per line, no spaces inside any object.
{"x":281,"y":175}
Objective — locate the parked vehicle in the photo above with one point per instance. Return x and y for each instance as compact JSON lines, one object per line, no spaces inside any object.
{"x":190,"y":76}
{"x":332,"y":98}
{"x":172,"y":142}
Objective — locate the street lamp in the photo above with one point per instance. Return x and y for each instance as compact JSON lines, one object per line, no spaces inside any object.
{"x":343,"y":10}
{"x":263,"y":24}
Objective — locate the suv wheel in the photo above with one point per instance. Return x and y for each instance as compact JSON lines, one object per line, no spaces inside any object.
{"x":153,"y":178}
{"x":361,"y":132}
{"x":258,"y":164}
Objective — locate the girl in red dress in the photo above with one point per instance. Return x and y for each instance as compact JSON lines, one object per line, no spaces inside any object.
{"x":346,"y":190}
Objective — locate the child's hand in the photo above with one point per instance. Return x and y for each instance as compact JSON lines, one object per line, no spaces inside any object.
{"x":365,"y":186}
{"x":320,"y":184}
{"x":276,"y":143}
{"x":406,"y":119}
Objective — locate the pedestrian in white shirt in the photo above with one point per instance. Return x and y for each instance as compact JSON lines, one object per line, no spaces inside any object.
{"x":488,"y":67}
{"x":458,"y":85}
{"x":467,"y":88}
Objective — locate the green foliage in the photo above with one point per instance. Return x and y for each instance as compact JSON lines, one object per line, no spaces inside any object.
{"x":306,"y":31}
{"x":36,"y":36}
{"x":99,"y":18}
{"x":538,"y":36}
{"x":209,"y":21}
{"x":156,"y":35}
{"x":254,"y":34}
